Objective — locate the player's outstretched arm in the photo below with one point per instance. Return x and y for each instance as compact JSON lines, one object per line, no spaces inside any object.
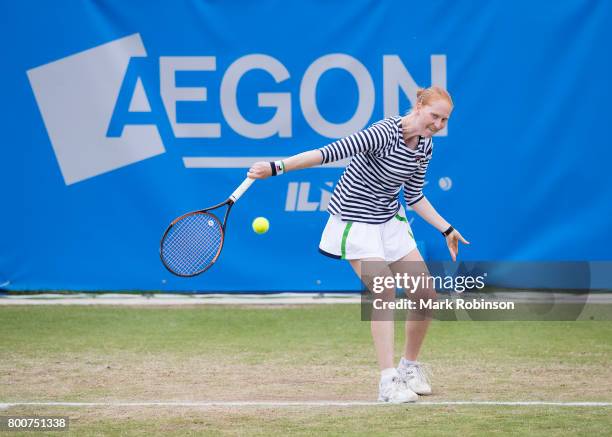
{"x":425,"y":209}
{"x":263,"y":169}
{"x":428,"y":213}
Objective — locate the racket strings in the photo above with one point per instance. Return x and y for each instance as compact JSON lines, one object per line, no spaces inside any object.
{"x":192,"y":243}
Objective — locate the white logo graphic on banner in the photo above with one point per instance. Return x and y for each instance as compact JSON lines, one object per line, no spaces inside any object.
{"x":445,"y":183}
{"x":76,"y":97}
{"x":298,"y":194}
{"x":101,"y":114}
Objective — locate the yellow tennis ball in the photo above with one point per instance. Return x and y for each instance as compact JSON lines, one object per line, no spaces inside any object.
{"x":261,"y":225}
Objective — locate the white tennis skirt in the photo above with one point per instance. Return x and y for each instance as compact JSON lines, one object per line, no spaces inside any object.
{"x":389,"y":241}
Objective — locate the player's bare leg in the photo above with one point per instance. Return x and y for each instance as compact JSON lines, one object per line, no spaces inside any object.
{"x":392,"y":387}
{"x":417,"y":324}
{"x":383,"y":328}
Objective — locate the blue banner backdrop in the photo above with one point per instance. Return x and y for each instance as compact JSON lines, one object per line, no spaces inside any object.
{"x":120,"y":116}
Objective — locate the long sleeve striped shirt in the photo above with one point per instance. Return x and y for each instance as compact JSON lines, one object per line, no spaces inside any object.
{"x":381,"y":165}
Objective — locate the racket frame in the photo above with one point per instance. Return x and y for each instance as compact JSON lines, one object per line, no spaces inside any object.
{"x":229,"y":202}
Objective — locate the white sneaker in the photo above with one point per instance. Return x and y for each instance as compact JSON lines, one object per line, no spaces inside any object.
{"x":416,"y":378}
{"x":395,"y":391}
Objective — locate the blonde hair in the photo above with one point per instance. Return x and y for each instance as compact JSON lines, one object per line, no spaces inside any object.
{"x":425,"y":96}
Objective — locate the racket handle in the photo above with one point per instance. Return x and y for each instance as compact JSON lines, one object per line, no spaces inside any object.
{"x":238,"y":192}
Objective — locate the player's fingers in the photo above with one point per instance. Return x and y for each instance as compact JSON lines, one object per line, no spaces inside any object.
{"x":263,"y":168}
{"x":259,"y":170}
{"x":463,"y":240}
{"x":452,"y":248}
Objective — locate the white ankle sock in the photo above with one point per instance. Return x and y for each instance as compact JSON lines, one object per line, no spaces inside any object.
{"x":388,"y":374}
{"x":405,"y":363}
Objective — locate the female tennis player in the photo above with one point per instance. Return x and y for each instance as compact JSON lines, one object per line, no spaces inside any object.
{"x":368,"y":223}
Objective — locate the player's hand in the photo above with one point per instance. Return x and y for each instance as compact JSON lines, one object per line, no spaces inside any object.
{"x":260,"y":170}
{"x":452,"y":241}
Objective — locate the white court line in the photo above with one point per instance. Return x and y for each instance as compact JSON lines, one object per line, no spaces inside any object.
{"x":300,"y":404}
{"x":179,"y":301}
{"x":166,"y":299}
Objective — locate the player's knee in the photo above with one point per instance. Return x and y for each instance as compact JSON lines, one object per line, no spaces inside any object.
{"x":423,"y":298}
{"x":421,"y":293}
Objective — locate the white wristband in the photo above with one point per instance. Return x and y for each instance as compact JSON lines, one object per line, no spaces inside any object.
{"x":280,"y":167}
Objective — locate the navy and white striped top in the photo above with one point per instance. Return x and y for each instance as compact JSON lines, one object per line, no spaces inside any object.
{"x":381,"y":164}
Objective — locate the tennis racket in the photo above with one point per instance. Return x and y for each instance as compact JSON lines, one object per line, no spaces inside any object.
{"x":193,"y":242}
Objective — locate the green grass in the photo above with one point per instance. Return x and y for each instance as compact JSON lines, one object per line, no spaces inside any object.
{"x":80,"y":353}
{"x":377,"y":421}
{"x":277,"y":332}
